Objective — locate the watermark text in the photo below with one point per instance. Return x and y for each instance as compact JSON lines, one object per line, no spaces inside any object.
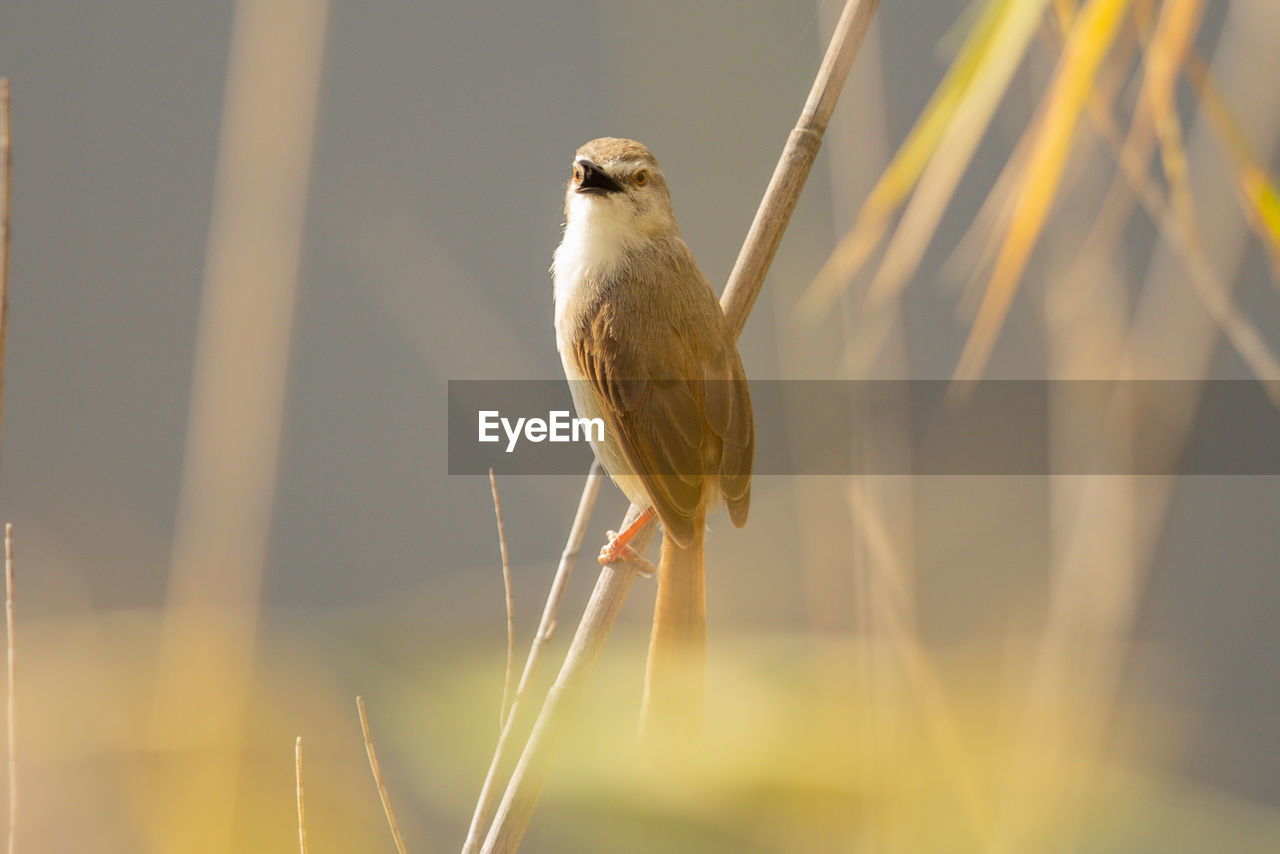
{"x":558,"y":426}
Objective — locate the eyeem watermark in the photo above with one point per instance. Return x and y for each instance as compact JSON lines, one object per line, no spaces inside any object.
{"x":558,"y":426}
{"x":910,"y":427}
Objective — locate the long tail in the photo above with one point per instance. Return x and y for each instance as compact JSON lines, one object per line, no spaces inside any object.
{"x":676,"y":676}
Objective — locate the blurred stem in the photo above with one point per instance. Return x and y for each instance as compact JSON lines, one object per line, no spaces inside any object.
{"x":236,"y":411}
{"x":12,"y":646}
{"x":6,"y":167}
{"x":6,"y":184}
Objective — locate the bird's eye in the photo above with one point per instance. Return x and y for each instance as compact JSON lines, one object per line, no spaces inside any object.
{"x":641,"y":178}
{"x":577,"y":172}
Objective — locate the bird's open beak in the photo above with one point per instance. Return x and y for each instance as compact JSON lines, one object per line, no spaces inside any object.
{"x":595,"y":181}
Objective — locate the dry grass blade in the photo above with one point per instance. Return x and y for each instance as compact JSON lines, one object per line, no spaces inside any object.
{"x":1000,"y":57}
{"x":511,"y":619}
{"x":1135,"y":150}
{"x":12,"y":718}
{"x":6,"y":166}
{"x":1256,"y":189}
{"x":1088,"y":42}
{"x":6,"y":187}
{"x":977,"y":248}
{"x":302,"y":810}
{"x":377,"y":776}
{"x":1132,"y":152}
{"x":904,"y":171}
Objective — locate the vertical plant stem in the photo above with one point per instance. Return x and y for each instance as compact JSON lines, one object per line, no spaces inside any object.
{"x":546,"y":628}
{"x":302,"y":812}
{"x":235,"y":421}
{"x":511,"y":619}
{"x":11,"y":645}
{"x":377,"y":777}
{"x":6,"y":187}
{"x":6,"y":168}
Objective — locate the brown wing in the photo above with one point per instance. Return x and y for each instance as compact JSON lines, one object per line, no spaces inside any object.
{"x":655,"y":421}
{"x":728,"y":412}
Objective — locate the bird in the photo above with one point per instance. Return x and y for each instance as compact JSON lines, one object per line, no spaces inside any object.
{"x":646,"y":347}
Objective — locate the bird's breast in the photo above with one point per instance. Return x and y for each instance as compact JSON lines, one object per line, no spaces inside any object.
{"x":594,"y":247}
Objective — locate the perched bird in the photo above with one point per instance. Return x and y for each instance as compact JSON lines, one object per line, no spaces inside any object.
{"x":646,"y":347}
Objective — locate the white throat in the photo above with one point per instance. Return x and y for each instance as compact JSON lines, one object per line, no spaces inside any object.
{"x":598,"y":234}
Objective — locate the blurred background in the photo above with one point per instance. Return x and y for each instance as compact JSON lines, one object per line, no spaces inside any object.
{"x":252,"y":242}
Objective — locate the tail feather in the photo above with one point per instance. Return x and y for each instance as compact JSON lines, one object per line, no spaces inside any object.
{"x":676,"y":674}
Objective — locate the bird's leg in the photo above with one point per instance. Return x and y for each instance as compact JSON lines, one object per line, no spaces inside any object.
{"x":620,"y":543}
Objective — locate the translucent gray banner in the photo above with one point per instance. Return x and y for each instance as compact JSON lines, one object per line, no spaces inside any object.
{"x":922,"y":427}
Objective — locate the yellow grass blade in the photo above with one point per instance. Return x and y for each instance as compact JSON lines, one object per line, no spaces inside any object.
{"x":1006,"y":47}
{"x":1261,"y":193}
{"x":902,"y":173}
{"x":1257,"y":190}
{"x":1087,"y":44}
{"x":977,"y":248}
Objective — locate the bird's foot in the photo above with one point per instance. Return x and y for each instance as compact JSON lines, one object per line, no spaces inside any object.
{"x":619,"y":544}
{"x":626,"y":554}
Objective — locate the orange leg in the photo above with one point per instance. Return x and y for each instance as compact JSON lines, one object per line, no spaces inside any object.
{"x":620,"y":544}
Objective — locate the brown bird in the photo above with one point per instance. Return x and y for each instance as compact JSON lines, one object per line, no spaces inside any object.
{"x":646,"y":347}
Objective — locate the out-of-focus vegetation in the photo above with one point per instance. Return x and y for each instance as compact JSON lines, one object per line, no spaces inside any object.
{"x":865,"y":732}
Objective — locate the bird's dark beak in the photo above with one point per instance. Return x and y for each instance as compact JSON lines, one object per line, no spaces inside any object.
{"x":595,"y":181}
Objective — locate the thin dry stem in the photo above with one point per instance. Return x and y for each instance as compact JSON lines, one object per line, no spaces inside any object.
{"x":745,"y":281}
{"x":302,"y":812}
{"x":518,"y":803}
{"x":6,"y":186}
{"x":511,"y":618}
{"x":11,"y":644}
{"x":377,"y":776}
{"x":577,"y":532}
{"x":6,"y":164}
{"x":546,"y":628}
{"x":1088,"y":43}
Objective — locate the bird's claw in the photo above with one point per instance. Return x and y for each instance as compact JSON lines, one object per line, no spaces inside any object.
{"x":613,"y":548}
{"x":617,"y":549}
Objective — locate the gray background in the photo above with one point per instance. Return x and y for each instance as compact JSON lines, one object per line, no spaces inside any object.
{"x":444,"y":136}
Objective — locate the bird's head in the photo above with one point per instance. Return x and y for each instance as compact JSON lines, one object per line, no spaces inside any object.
{"x":618,"y":183}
